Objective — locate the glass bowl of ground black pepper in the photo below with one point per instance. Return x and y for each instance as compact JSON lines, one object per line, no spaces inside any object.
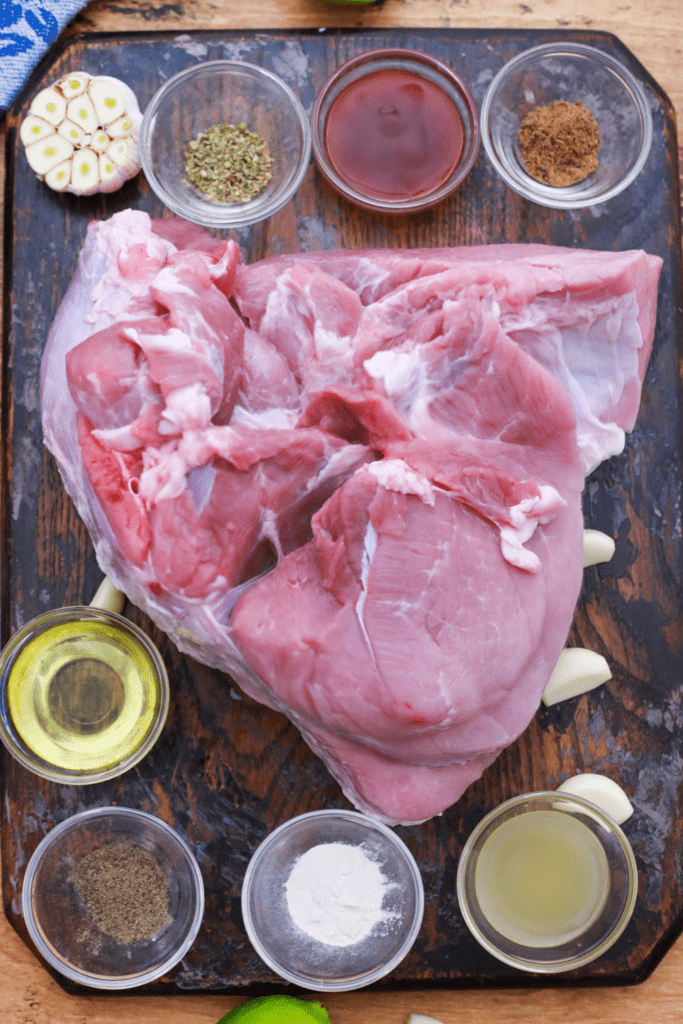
{"x":566,"y":125}
{"x":225,"y":144}
{"x":113,"y":898}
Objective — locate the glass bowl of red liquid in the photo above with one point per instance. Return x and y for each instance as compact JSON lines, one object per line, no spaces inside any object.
{"x":395,"y":131}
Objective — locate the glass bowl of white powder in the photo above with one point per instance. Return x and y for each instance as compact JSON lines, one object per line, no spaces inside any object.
{"x":332,"y":900}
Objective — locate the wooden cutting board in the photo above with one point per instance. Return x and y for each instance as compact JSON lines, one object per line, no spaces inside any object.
{"x":226,"y":771}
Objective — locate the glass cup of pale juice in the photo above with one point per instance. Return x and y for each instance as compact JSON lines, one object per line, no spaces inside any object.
{"x":547,"y":882}
{"x":84,"y":695}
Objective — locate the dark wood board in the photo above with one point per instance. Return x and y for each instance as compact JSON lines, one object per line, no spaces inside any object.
{"x":226,"y":771}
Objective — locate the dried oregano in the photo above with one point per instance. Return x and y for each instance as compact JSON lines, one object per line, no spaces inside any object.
{"x":229,"y":163}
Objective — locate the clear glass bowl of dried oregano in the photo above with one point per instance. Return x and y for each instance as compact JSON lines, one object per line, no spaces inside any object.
{"x":225,"y":143}
{"x":566,"y":125}
{"x":113,"y":898}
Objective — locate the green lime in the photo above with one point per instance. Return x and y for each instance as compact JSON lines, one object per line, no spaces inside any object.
{"x":277,"y":1010}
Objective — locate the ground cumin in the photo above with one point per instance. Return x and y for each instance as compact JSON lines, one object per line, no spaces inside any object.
{"x":559,"y":143}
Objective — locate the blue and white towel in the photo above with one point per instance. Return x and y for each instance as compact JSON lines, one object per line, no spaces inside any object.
{"x":27,"y":29}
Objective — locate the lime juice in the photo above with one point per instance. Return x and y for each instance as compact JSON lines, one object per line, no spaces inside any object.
{"x":541,"y":878}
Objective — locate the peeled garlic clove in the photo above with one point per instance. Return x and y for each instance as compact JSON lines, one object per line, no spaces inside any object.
{"x":82,"y":112}
{"x":107,"y":98}
{"x":46,"y":154}
{"x":75,"y":135}
{"x":577,"y":671}
{"x":602,"y":791}
{"x":108,"y":597}
{"x":85,"y":172}
{"x":597,"y":547}
{"x":33,"y":129}
{"x":59,"y":178}
{"x":100,"y":141}
{"x":50,"y":105}
{"x":73,"y":85}
{"x":421,"y":1018}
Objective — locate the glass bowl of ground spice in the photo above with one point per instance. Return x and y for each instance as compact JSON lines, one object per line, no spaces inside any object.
{"x":113,"y":898}
{"x":225,"y":143}
{"x":566,"y":125}
{"x":332,"y":900}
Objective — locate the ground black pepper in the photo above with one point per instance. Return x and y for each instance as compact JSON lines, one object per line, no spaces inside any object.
{"x":559,"y":143}
{"x":125,"y":891}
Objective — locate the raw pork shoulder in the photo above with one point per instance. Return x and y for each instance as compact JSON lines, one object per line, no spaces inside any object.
{"x":351,"y":480}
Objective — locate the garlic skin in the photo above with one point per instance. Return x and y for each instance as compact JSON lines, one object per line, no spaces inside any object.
{"x":91,"y":123}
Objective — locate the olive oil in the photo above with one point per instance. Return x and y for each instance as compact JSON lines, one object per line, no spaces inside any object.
{"x":542,"y":878}
{"x":83,"y":694}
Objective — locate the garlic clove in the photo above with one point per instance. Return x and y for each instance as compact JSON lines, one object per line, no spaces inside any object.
{"x":82,"y":112}
{"x":73,"y":85}
{"x":108,"y":597}
{"x":602,"y":791}
{"x":597,"y":547}
{"x":46,"y":154}
{"x":73,"y":132}
{"x":34,"y":128}
{"x":85,"y":172}
{"x":59,"y":178}
{"x":577,"y":671}
{"x":123,"y":152}
{"x":50,"y":105}
{"x":121,"y":126}
{"x":421,"y":1018}
{"x":108,"y":100}
{"x":110,"y":175}
{"x":100,"y":141}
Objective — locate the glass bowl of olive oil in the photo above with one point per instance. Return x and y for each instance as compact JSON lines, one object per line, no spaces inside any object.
{"x":84,"y":695}
{"x":547,"y":882}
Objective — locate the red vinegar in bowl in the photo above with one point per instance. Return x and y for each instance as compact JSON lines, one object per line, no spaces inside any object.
{"x":395,"y":131}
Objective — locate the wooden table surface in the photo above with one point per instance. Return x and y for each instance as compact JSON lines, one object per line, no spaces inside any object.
{"x":653,"y":31}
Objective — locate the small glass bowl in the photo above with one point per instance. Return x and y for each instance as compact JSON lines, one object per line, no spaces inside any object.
{"x":290,"y":951}
{"x":61,"y":926}
{"x":571,"y":72}
{"x":547,"y":882}
{"x":217,"y":92}
{"x":426,"y":67}
{"x":62,"y":725}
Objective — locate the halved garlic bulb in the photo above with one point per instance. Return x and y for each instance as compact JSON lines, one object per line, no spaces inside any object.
{"x":91,"y":121}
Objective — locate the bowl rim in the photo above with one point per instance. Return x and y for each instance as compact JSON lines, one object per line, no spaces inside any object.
{"x":388,"y":206}
{"x":344,"y":985}
{"x":548,"y":797}
{"x":102,"y":981}
{"x":546,"y":195}
{"x":31,"y":760}
{"x":213,"y":219}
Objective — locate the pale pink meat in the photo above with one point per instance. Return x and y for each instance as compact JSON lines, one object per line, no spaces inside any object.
{"x":351,"y":480}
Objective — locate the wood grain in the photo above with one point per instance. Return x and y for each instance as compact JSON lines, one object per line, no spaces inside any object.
{"x":34,"y":996}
